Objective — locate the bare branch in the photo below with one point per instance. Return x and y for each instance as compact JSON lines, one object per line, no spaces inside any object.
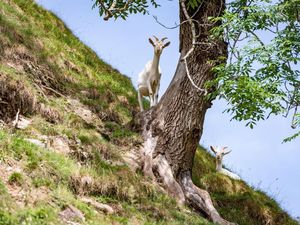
{"x":199,"y":7}
{"x":294,"y":118}
{"x":233,"y":47}
{"x":194,"y":42}
{"x":113,"y":5}
{"x":169,"y":27}
{"x":15,"y":122}
{"x":56,"y":92}
{"x":292,"y":102}
{"x":257,"y":38}
{"x":41,"y":91}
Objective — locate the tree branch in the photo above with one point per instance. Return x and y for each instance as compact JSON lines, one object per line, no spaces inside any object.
{"x":112,"y":10}
{"x":294,"y":124}
{"x":15,"y":122}
{"x":194,"y":42}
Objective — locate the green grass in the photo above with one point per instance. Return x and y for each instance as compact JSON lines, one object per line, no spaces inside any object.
{"x":117,"y":185}
{"x":16,"y":178}
{"x":71,"y":66}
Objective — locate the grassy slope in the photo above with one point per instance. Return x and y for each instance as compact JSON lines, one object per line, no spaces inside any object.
{"x":45,"y":66}
{"x":236,"y":200}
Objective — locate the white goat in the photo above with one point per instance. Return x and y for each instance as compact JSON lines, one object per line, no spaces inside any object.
{"x":220,"y":152}
{"x":149,"y":78}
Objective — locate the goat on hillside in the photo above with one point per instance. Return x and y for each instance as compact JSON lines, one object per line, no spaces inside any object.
{"x":149,"y":78}
{"x":220,"y":152}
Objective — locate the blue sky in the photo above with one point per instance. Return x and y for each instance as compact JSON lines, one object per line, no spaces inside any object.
{"x":257,"y":155}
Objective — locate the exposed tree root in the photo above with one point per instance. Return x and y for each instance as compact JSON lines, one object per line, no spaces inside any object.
{"x":165,"y":172}
{"x":185,"y":191}
{"x":181,"y":187}
{"x":200,"y":199}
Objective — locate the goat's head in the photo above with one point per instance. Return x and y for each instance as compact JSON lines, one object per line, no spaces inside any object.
{"x":220,"y":152}
{"x":158,"y":45}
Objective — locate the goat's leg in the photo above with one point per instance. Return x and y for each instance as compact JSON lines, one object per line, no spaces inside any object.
{"x":156,"y":94}
{"x":150,"y":93}
{"x":140,"y":100}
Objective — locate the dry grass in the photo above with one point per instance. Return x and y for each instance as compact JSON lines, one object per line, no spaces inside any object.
{"x":14,"y":95}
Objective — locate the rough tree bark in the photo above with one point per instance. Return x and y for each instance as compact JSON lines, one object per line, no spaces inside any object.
{"x":172,"y":129}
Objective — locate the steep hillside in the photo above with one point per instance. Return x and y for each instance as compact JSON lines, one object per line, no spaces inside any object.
{"x":67,"y":166}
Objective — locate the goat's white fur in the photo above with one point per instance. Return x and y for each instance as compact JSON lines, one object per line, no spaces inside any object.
{"x":149,"y":78}
{"x":220,"y":152}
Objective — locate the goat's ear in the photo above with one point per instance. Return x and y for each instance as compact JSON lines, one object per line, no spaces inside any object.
{"x":213,"y":149}
{"x":151,"y":42}
{"x":167,"y":44}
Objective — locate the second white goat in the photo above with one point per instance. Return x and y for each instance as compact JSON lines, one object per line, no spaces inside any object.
{"x":220,"y":152}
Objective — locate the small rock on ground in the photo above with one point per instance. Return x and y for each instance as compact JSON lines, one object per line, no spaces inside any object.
{"x":99,"y":206}
{"x":71,"y":213}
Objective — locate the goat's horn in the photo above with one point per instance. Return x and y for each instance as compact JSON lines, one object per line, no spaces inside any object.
{"x":164,"y":38}
{"x":155,"y":38}
{"x":227,"y":152}
{"x":224,"y":148}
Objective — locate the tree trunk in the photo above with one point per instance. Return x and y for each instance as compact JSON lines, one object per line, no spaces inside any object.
{"x":172,"y":129}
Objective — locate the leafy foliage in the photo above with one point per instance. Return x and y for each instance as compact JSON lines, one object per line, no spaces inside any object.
{"x":261,"y":76}
{"x":122,"y":8}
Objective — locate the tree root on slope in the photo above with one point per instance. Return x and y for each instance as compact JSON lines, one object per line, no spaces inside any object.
{"x":183,"y":189}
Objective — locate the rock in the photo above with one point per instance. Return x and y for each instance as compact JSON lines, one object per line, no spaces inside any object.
{"x":84,"y":113}
{"x":71,"y":213}
{"x":59,"y":144}
{"x":123,"y":100}
{"x":116,"y":163}
{"x":22,"y":123}
{"x":35,"y":195}
{"x":36,"y":142}
{"x":97,"y":205}
{"x":2,"y":124}
{"x":72,"y":66}
{"x":86,"y":181}
{"x":55,"y":143}
{"x":132,"y":159}
{"x":14,"y":169}
{"x":85,"y":93}
{"x":72,"y":223}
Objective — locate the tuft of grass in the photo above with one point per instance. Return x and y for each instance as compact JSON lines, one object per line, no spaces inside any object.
{"x":7,"y":219}
{"x":42,"y":181}
{"x":16,"y":178}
